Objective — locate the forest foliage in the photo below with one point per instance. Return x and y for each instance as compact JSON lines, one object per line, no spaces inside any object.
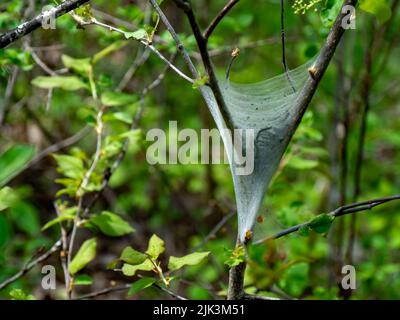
{"x":78,"y":101}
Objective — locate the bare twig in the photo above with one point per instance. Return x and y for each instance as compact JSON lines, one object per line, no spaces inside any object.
{"x":340,"y":211}
{"x":214,"y":230}
{"x":255,"y":297}
{"x":126,"y":287}
{"x":284,"y":45}
{"x":63,"y":253}
{"x":202,"y":45}
{"x":81,"y":190}
{"x":93,"y":21}
{"x":27,"y":267}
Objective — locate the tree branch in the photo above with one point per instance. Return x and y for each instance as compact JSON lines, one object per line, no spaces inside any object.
{"x":27,"y":267}
{"x":126,"y":287}
{"x":29,"y":26}
{"x":341,"y":211}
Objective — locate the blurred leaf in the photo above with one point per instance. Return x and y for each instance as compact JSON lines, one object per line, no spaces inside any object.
{"x":119,"y":116}
{"x":321,"y":223}
{"x":304,"y":231}
{"x":380,"y":8}
{"x":26,"y":217}
{"x":141,"y":284}
{"x":19,"y":294}
{"x":298,"y":163}
{"x":114,"y":99}
{"x":14,"y":160}
{"x":61,"y":218}
{"x":83,"y":280}
{"x":81,"y":66}
{"x":85,"y":254}
{"x":111,"y":224}
{"x":7,"y":198}
{"x":192,"y":259}
{"x":330,"y":12}
{"x":70,"y":83}
{"x":108,"y":50}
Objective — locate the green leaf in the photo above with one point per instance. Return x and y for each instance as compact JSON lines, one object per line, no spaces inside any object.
{"x":304,"y":231}
{"x":83,"y":280}
{"x":111,"y":224}
{"x":70,"y":83}
{"x":321,"y":223}
{"x":119,"y":116}
{"x":140,"y":34}
{"x":85,"y":254}
{"x":111,"y":48}
{"x":7,"y":198}
{"x":199,"y":82}
{"x":19,"y":294}
{"x":298,"y":163}
{"x":192,"y":259}
{"x":26,"y":217}
{"x":114,"y":99}
{"x":130,"y":270}
{"x":235,"y":257}
{"x":155,"y":247}
{"x":14,"y":160}
{"x":330,"y":12}
{"x":132,"y":256}
{"x":70,"y":166}
{"x":57,"y":220}
{"x":380,"y":8}
{"x":81,"y":66}
{"x":141,"y":284}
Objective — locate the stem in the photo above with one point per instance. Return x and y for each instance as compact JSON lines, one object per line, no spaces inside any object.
{"x":236,"y":280}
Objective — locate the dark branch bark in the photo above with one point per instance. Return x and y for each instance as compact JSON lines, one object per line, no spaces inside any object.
{"x":29,"y":26}
{"x":236,"y":277}
{"x":27,"y":267}
{"x":186,"y":6}
{"x":341,"y":211}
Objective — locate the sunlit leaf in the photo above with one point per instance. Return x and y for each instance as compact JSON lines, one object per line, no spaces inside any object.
{"x":14,"y":160}
{"x":192,"y":259}
{"x":85,"y":254}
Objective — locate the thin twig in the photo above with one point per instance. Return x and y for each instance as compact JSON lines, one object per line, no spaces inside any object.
{"x":214,"y":230}
{"x":27,"y":267}
{"x":135,"y":123}
{"x":63,"y":253}
{"x":93,"y":21}
{"x":284,"y":45}
{"x":202,"y":45}
{"x":126,"y":287}
{"x":340,"y":211}
{"x":60,"y":145}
